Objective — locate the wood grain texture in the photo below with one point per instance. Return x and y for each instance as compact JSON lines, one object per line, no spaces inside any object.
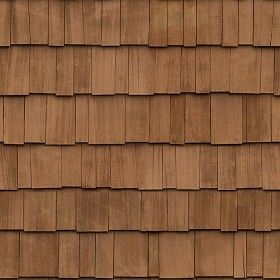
{"x":9,"y":254}
{"x":134,"y":22}
{"x":217,"y":246}
{"x":38,"y":16}
{"x":48,"y":175}
{"x":131,"y":254}
{"x":39,"y":254}
{"x":5,"y":23}
{"x":226,"y":119}
{"x":60,"y":120}
{"x":92,"y":210}
{"x":158,"y":23}
{"x":40,"y":210}
{"x":13,"y":120}
{"x":176,"y":255}
{"x":68,"y":257}
{"x":11,"y":210}
{"x":107,"y":120}
{"x":56,"y":22}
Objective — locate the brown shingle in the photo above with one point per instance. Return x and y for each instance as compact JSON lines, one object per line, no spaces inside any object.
{"x":154,"y":211}
{"x":131,"y":254}
{"x":254,"y":254}
{"x":270,"y":158}
{"x":267,"y":70}
{"x":103,"y":70}
{"x":176,"y":255}
{"x":24,"y":166}
{"x":104,"y":255}
{"x":40,"y":210}
{"x":271,"y":255}
{"x":230,"y":22}
{"x":220,"y":68}
{"x":203,"y":69}
{"x":187,"y":167}
{"x":209,"y":22}
{"x":14,"y":120}
{"x":134,"y":22}
{"x":14,"y":65}
{"x":8,"y":167}
{"x":229,"y":211}
{"x":246,"y":209}
{"x":245,"y":70}
{"x":208,"y":166}
{"x":92,"y":21}
{"x":42,"y":69}
{"x":92,"y":210}
{"x":175,"y":22}
{"x":188,"y":61}
{"x":246,"y":22}
{"x":64,"y":71}
{"x":258,"y":118}
{"x":158,"y":23}
{"x":190,"y":22}
{"x":5,"y":23}
{"x":149,"y":166}
{"x":137,"y":117}
{"x":45,"y":166}
{"x":68,"y":255}
{"x":74,"y":25}
{"x":87,"y":255}
{"x":197,"y":122}
{"x":121,"y":83}
{"x":111,"y":13}
{"x":275,"y":38}
{"x":20,"y":25}
{"x":107,"y":120}
{"x":263,"y":211}
{"x":56,"y":23}
{"x":66,"y":209}
{"x":240,"y":254}
{"x":160,"y":119}
{"x":82,"y":113}
{"x":82,"y":69}
{"x":226,"y":119}
{"x":88,"y":166}
{"x":71,"y":161}
{"x":141,"y":68}
{"x":103,"y":166}
{"x":9,"y":254}
{"x":35,"y":112}
{"x":263,"y":18}
{"x":205,"y":209}
{"x":11,"y":210}
{"x":38,"y":254}
{"x":153,"y":254}
{"x":178,"y":210}
{"x":213,"y":254}
{"x":227,"y":168}
{"x":60,"y":120}
{"x":38,"y":16}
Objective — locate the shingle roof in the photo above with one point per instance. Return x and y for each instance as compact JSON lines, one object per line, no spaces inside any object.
{"x":139,"y":139}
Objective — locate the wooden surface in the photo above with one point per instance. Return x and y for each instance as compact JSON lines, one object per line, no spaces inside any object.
{"x":139,"y":139}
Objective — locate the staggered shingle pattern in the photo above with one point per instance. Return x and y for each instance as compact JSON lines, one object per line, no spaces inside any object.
{"x":140,"y":139}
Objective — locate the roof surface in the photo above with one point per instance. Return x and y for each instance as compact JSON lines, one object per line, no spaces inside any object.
{"x":140,"y":138}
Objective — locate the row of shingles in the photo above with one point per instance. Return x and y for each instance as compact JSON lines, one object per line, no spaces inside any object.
{"x":155,"y":22}
{"x":141,"y":166}
{"x":176,"y":119}
{"x":138,"y":70}
{"x":171,"y":210}
{"x":135,"y":254}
